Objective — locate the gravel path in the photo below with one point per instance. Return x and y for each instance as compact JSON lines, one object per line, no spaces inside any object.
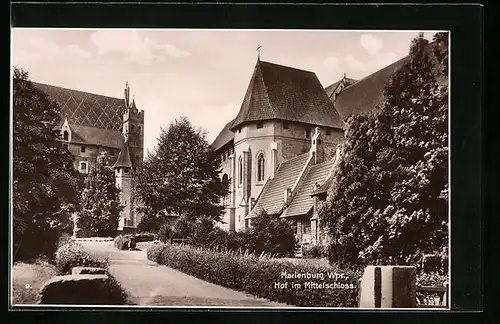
{"x":151,"y":284}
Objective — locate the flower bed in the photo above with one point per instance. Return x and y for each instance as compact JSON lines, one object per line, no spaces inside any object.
{"x":281,"y":281}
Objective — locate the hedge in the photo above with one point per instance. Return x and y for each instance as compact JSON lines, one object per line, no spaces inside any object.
{"x":260,"y":275}
{"x":72,"y":255}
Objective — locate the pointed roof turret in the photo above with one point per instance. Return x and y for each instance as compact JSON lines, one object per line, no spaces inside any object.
{"x":281,"y":92}
{"x":124,"y":160}
{"x":133,"y":104}
{"x":127,"y":94}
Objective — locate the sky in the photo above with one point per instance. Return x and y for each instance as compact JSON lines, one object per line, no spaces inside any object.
{"x":200,"y":74}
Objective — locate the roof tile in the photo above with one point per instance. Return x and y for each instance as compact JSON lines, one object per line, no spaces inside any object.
{"x":272,"y":197}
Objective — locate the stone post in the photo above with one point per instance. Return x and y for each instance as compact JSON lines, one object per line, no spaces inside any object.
{"x":388,"y":287}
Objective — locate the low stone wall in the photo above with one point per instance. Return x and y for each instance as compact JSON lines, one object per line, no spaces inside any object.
{"x":81,"y":289}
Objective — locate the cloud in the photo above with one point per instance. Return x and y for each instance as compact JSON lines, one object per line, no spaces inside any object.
{"x":375,"y":63}
{"x":41,"y":47}
{"x":372,"y":44}
{"x":135,"y":48}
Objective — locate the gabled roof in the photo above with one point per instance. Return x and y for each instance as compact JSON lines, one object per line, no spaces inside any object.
{"x":332,"y":87}
{"x":272,"y":197}
{"x":96,"y":136}
{"x":302,"y":201}
{"x":281,"y":92}
{"x":365,"y":95}
{"x":224,"y":137}
{"x":124,"y":160}
{"x":86,"y":109}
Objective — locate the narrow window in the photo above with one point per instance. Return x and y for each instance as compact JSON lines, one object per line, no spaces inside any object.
{"x":260,"y":124}
{"x":328,"y":131}
{"x":139,"y":129}
{"x":133,"y":128}
{"x":83,"y":149}
{"x":240,"y":171}
{"x":225,"y":179}
{"x":112,"y":153}
{"x":285,"y":125}
{"x":239,"y":130}
{"x":126,"y":170}
{"x":65,"y":135}
{"x":260,"y":167}
{"x":83,"y":167}
{"x":308,"y":133}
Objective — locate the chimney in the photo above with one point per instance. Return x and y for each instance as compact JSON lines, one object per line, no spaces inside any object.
{"x":316,"y":154}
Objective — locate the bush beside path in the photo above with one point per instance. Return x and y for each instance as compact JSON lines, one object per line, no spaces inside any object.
{"x":148,"y":283}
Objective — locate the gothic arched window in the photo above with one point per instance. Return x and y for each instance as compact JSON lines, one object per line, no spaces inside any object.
{"x":260,"y":167}
{"x":65,"y":135}
{"x":240,"y":171}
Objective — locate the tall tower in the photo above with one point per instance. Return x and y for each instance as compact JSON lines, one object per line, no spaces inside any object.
{"x":124,"y":177}
{"x":130,"y":154}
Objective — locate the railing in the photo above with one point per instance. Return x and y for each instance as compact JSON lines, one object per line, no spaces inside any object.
{"x":432,"y":297}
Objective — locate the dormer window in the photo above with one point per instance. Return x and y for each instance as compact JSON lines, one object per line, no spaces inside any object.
{"x":260,"y":124}
{"x":83,"y":149}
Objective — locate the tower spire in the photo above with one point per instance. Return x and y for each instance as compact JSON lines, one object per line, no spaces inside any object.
{"x":127,"y":94}
{"x":258,"y":52}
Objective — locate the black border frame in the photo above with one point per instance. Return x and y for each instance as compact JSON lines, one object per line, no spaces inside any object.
{"x":466,"y":25}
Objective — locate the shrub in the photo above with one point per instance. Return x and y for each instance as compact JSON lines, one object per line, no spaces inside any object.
{"x":145,"y":237}
{"x":73,"y":255}
{"x":433,"y":279}
{"x":259,"y":275}
{"x":124,"y":242}
{"x":315,"y":251}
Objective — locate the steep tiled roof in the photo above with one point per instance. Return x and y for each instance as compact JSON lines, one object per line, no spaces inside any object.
{"x":96,"y":136}
{"x":124,"y":159}
{"x":86,"y":109}
{"x":302,"y":201}
{"x":281,"y":92}
{"x":365,"y":95}
{"x":272,"y":197}
{"x":224,"y":137}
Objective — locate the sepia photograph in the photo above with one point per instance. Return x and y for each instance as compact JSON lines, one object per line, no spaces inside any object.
{"x":230,"y":168}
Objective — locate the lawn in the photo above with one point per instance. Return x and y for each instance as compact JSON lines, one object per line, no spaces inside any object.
{"x":27,"y":279}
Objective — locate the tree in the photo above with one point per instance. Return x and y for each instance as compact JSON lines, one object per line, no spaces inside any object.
{"x":45,"y":184}
{"x":181,"y":177}
{"x":271,"y":234}
{"x":100,"y":201}
{"x":388,"y":200}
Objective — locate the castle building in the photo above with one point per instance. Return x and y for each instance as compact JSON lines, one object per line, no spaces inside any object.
{"x":91,"y":124}
{"x":280,"y":150}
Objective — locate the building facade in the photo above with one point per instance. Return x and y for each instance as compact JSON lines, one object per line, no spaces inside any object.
{"x":92,"y":124}
{"x":280,"y":150}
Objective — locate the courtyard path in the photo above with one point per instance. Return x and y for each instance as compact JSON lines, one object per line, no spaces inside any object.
{"x":151,"y":284}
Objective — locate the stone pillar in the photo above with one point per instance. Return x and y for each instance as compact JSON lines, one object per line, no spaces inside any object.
{"x":388,"y":287}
